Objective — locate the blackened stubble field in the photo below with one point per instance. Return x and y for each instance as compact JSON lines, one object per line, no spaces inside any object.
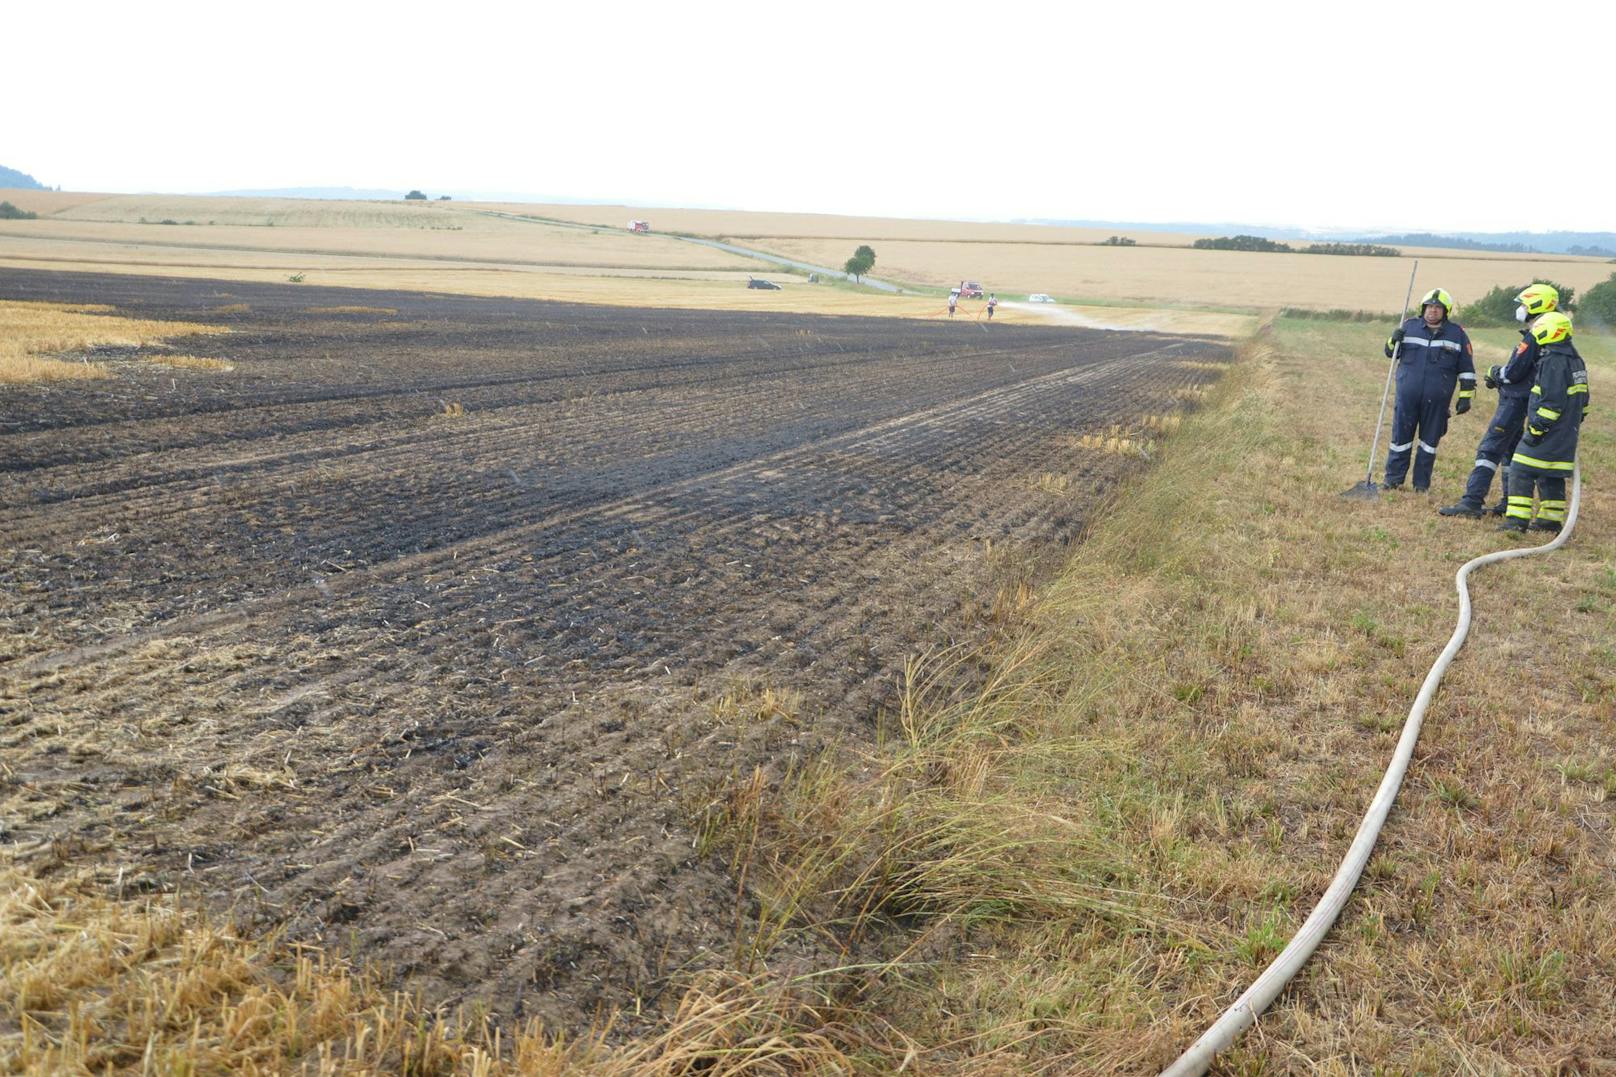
{"x":408,"y":632}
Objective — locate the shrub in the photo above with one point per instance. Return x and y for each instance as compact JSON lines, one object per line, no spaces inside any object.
{"x":1119,"y":241}
{"x":1598,"y":306}
{"x":9,"y":212}
{"x":415,"y":196}
{"x":1497,"y":307}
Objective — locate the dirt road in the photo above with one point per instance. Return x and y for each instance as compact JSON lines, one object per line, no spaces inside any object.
{"x":431,"y":627}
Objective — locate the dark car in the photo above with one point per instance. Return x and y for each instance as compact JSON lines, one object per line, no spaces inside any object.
{"x":769,"y":285}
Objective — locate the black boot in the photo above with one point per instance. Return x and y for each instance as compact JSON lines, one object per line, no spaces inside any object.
{"x":1461,"y":508}
{"x":1500,"y":507}
{"x":1544,"y":525}
{"x":1513,"y":523}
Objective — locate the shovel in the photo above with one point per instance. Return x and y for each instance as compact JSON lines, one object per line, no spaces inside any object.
{"x":1369,"y":490}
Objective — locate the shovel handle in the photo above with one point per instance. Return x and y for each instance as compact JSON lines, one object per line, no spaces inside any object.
{"x":1397,"y":351}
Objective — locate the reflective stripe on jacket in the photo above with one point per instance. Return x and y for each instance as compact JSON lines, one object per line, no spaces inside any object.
{"x":1436,"y":360}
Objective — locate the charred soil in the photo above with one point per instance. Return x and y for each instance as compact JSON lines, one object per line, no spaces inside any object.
{"x":433,"y":626}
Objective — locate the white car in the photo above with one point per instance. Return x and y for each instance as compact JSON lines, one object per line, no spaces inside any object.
{"x":1040,"y":297}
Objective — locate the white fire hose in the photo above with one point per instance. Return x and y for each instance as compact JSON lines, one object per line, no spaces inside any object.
{"x":1237,"y":1018}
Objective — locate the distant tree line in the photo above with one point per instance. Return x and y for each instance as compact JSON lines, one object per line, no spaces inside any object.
{"x":1429,"y":239}
{"x":1119,"y":241}
{"x":1258,"y":243}
{"x":1360,"y":250}
{"x":9,"y":212}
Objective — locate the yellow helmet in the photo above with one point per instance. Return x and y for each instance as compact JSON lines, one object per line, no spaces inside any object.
{"x":1552,"y":328}
{"x":1538,"y":299}
{"x":1438,"y":296}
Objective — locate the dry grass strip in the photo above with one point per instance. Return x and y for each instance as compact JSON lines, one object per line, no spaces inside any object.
{"x":36,"y":338}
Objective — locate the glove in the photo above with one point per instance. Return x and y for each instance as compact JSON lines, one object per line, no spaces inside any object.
{"x":1494,"y":373}
{"x":1397,"y":336}
{"x":1462,"y":406}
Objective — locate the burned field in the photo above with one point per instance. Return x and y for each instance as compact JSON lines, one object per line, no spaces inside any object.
{"x":431,"y":628}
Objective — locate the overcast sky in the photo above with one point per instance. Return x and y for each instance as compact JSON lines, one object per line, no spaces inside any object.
{"x":1362,"y":115}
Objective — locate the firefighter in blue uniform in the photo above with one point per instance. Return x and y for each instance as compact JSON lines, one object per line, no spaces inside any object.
{"x":1548,"y":450}
{"x":1513,"y":380}
{"x":1434,"y":356}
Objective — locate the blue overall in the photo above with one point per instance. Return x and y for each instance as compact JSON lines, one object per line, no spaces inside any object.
{"x":1431,"y":363}
{"x":1504,"y":428}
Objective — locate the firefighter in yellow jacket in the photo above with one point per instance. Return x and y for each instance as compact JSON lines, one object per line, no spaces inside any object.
{"x":1548,"y":449}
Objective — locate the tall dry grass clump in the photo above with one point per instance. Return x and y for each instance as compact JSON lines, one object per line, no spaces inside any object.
{"x":35,"y":337}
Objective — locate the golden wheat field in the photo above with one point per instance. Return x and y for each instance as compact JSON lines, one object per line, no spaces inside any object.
{"x":1184,"y":275}
{"x":267,"y":212}
{"x":586,"y":254}
{"x":746,"y":224}
{"x":485,"y":251}
{"x":477,"y":239}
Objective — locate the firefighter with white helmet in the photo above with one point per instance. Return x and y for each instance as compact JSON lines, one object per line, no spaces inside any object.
{"x":1548,"y":449}
{"x":1513,"y":380}
{"x":1435,"y":355}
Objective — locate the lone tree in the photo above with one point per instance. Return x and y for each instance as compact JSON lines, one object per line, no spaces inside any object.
{"x":861,"y":262}
{"x":415,"y":196}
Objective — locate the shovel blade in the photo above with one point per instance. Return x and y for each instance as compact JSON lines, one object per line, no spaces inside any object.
{"x":1368,"y":490}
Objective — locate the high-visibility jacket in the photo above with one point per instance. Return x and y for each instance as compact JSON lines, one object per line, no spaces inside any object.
{"x":1434,"y":361}
{"x":1554,"y":411}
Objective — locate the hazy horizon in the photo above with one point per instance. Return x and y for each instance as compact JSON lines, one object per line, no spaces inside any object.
{"x":1263,"y":113}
